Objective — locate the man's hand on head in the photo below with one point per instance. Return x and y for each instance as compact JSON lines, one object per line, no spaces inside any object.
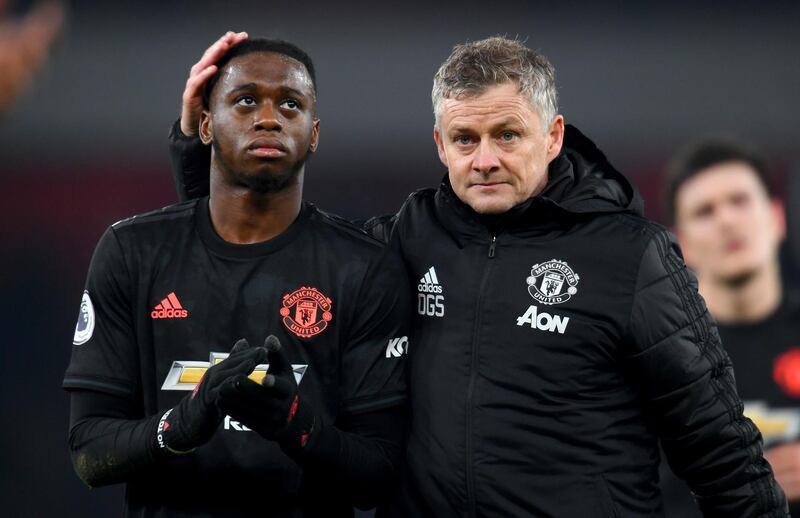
{"x":201,"y":72}
{"x":785,"y":462}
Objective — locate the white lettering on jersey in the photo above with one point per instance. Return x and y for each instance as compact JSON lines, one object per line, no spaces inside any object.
{"x":396,"y":347}
{"x":236,"y":426}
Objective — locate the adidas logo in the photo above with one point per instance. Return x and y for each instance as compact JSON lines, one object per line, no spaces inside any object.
{"x":170,"y":307}
{"x":429,"y":283}
{"x":430,"y":300}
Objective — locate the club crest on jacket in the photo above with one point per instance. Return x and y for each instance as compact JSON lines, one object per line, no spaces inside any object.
{"x":552,"y":282}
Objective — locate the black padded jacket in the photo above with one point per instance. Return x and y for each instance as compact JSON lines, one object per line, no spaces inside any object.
{"x":554,"y":347}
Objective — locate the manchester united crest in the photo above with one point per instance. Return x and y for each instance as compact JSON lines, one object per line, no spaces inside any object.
{"x":306,"y":312}
{"x":552,"y":282}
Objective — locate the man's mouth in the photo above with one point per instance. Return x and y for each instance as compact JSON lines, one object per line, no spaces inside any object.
{"x":734,"y":245}
{"x":266,"y":148}
{"x":487,"y":186}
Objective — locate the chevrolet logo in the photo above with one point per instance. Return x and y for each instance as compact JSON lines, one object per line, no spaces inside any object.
{"x":775,"y":424}
{"x":184,"y":375}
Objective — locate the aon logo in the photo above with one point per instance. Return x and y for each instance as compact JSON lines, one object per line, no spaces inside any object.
{"x":543,"y":321}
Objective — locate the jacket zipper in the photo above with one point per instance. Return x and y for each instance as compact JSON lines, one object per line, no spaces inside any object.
{"x":470,"y":476}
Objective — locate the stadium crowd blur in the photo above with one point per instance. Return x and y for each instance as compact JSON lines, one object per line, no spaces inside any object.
{"x":83,"y":144}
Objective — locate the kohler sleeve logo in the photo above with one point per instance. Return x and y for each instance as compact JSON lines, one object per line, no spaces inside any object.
{"x":397,"y":347}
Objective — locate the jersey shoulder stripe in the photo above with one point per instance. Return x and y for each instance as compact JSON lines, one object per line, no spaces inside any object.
{"x":344,"y":227}
{"x":170,"y":212}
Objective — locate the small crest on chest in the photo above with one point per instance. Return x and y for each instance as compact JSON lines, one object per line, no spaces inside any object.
{"x":552,"y":282}
{"x":306,"y":312}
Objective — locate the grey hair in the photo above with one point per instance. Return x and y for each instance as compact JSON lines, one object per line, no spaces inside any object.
{"x":474,"y":67}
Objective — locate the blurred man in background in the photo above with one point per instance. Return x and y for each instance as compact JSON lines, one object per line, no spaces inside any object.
{"x":730,"y":227}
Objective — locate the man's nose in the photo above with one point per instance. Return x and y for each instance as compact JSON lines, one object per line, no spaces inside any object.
{"x":729,"y":215}
{"x":267,"y":118}
{"x":485,"y":160}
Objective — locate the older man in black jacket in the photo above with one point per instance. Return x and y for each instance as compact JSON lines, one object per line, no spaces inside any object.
{"x":559,"y":335}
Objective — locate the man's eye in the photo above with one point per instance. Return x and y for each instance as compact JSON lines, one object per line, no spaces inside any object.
{"x":291,"y":104}
{"x":704,"y":212}
{"x":245,"y":100}
{"x":463,"y":140}
{"x":740,"y":200}
{"x":508,"y":136}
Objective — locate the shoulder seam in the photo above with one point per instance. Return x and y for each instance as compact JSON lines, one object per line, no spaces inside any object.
{"x":132,"y":286}
{"x":640,"y":223}
{"x":164,"y":213}
{"x":650,"y":232}
{"x":346,"y":226}
{"x":122,"y":255}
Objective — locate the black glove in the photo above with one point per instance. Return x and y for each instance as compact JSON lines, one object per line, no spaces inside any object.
{"x":273,"y":408}
{"x":193,"y":421}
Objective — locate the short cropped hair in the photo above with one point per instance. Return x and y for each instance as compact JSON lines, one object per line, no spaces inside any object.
{"x":252,"y":45}
{"x":707,"y":152}
{"x":474,"y":67}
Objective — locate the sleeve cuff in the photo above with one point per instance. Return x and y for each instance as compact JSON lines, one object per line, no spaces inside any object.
{"x":105,"y":386}
{"x":175,"y":132}
{"x":373,"y":402}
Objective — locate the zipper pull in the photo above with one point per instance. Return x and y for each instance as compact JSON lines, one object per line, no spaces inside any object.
{"x":491,"y":246}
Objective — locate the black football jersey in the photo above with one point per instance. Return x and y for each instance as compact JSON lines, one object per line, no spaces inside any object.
{"x":166,"y":298}
{"x":766,"y":358}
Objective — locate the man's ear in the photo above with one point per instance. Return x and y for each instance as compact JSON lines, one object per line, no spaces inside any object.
{"x":440,"y":146}
{"x":686,"y":252}
{"x":314,"y":137}
{"x":779,"y":217}
{"x":555,"y":138}
{"x":205,"y":129}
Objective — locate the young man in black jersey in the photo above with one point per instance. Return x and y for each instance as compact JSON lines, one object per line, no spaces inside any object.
{"x":730,"y":226}
{"x":310,"y":424}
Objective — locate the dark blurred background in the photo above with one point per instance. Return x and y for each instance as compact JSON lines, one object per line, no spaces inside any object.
{"x":85,"y":143}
